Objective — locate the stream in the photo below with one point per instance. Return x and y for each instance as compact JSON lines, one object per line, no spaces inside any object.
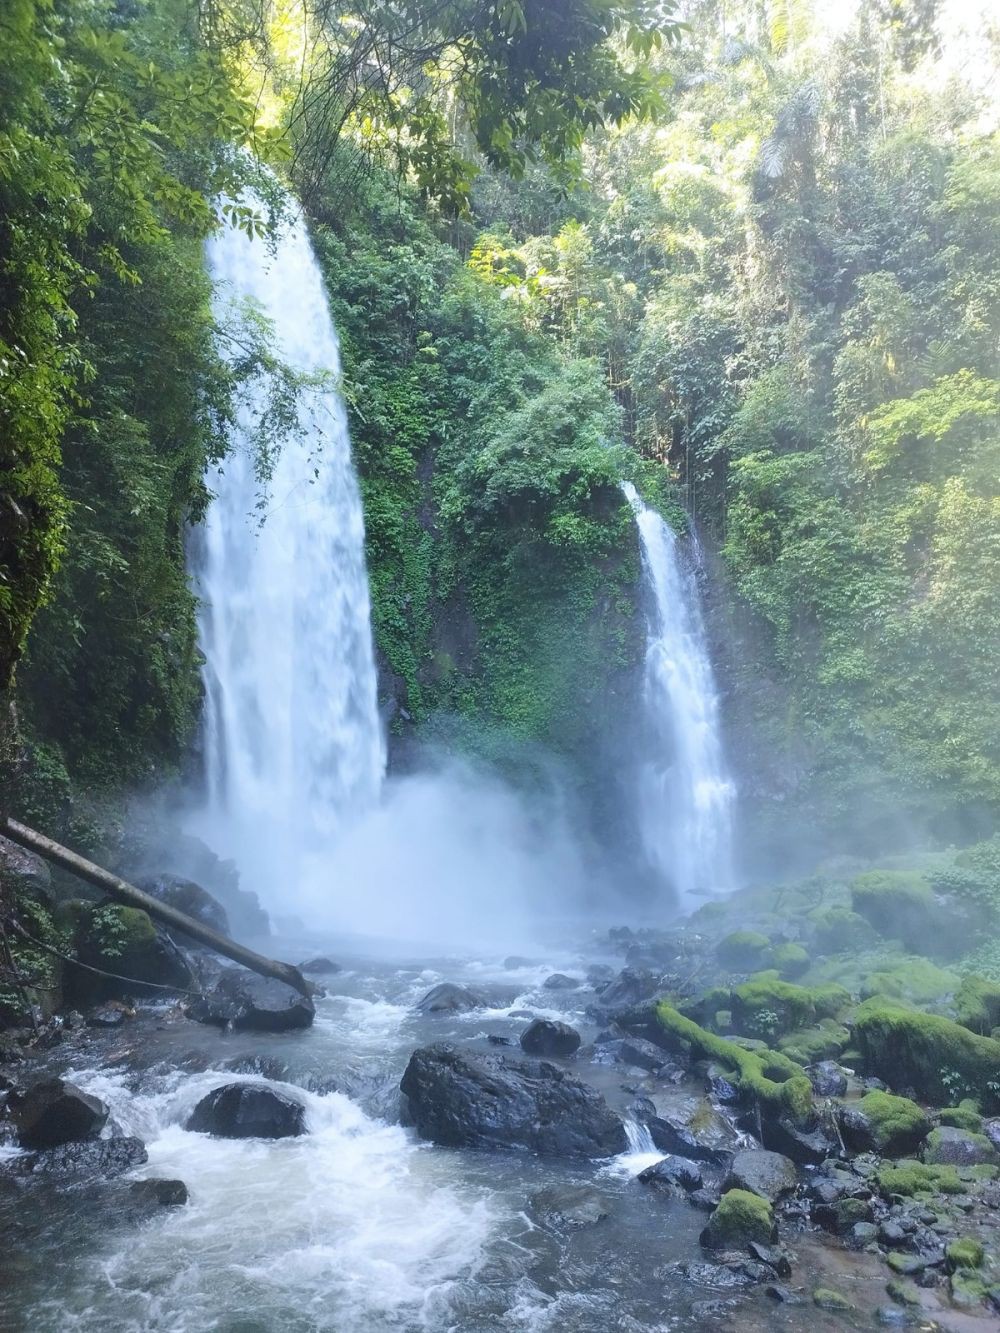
{"x":358,"y":1226}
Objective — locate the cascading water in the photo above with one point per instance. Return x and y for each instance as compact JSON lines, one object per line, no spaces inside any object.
{"x":686,"y":796}
{"x":293,"y":744}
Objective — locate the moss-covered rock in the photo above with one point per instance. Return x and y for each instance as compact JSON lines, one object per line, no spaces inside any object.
{"x":128,"y":954}
{"x":912,"y":1179}
{"x":825,"y":1041}
{"x":789,"y":960}
{"x":930,"y":1054}
{"x":964,"y":1116}
{"x":740,"y":1219}
{"x":769,"y":1078}
{"x":977,"y":1004}
{"x":767,"y":1006}
{"x":966,"y":1252}
{"x":839,"y":930}
{"x":958,"y":1147}
{"x":898,"y":904}
{"x":885,"y":1124}
{"x":827,"y":1299}
{"x":743,"y":950}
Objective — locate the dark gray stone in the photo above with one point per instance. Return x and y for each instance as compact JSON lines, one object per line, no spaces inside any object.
{"x":672,"y":1174}
{"x":560,"y":981}
{"x":570,"y":1206}
{"x":54,"y":1112}
{"x":191,"y":899}
{"x":957,"y":1147}
{"x":467,"y":1099}
{"x":447,"y":998}
{"x":100,"y":1158}
{"x":248,"y":1111}
{"x":545,"y":1036}
{"x":320,"y":966}
{"x":828,"y":1079}
{"x":643,"y":1054}
{"x":769,"y":1174}
{"x":246,"y":1002}
{"x":704,"y":1136}
{"x":631,"y":986}
{"x":163,"y":1193}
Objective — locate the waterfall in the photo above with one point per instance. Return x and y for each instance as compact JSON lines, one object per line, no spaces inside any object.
{"x":293,"y":745}
{"x":685,"y":795}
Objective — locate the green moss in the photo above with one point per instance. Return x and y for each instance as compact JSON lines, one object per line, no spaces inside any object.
{"x":116,"y":931}
{"x":743,"y":949}
{"x":838,"y":930}
{"x":903,"y":1292}
{"x":966,"y":1291}
{"x":910,"y":978}
{"x":824,"y":1042}
{"x":896,"y":1123}
{"x":768,"y":1077}
{"x":790,"y":960}
{"x":962,"y":1117}
{"x":827,"y":1299}
{"x":910,"y":1179}
{"x":932,"y":1055}
{"x":740,"y":1218}
{"x":967,"y":1252}
{"x":977,"y":1004}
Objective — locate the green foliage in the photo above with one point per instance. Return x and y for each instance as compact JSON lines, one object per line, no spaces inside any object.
{"x":115,"y":931}
{"x":826,"y":1041}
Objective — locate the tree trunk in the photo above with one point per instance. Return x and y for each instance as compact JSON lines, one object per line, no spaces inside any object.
{"x":124,"y":892}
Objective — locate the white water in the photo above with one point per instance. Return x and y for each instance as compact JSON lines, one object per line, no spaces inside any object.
{"x":685,"y":793}
{"x":293,"y":745}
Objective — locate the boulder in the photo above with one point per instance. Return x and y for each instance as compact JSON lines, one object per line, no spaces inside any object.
{"x":112,"y":1014}
{"x":467,"y":1099}
{"x":672,"y":1174}
{"x":570,"y":1206}
{"x":769,"y":1174}
{"x":631,"y":986}
{"x":245,"y":1001}
{"x":449,"y":999}
{"x":643,"y":1054}
{"x":547,"y":1037}
{"x":248,"y":1111}
{"x":958,"y":1147}
{"x":827,"y":1078}
{"x":102,"y":1158}
{"x":163,"y":1193}
{"x":191,"y":899}
{"x":55,"y":1112}
{"x":123,"y":940}
{"x":807,"y":1147}
{"x":740,"y":1218}
{"x":880,"y":1122}
{"x":320,"y":967}
{"x":700,"y":1133}
{"x":24,"y":870}
{"x":560,"y":981}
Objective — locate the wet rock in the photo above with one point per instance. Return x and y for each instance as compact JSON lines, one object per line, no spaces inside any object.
{"x":958,"y":1147}
{"x":191,"y":899}
{"x":991,"y":1128}
{"x":560,"y":981}
{"x":23,"y":869}
{"x":113,"y":1014}
{"x":467,"y":1099}
{"x":163,"y":1193}
{"x":882,"y":1123}
{"x":247,"y":1002}
{"x":447,"y":998}
{"x":706,"y":1199}
{"x":740,"y":1218}
{"x":782,"y":1295}
{"x":826,"y":1299}
{"x":702,"y":1134}
{"x":545,"y":1036}
{"x":828,"y":1079}
{"x":248,"y":1111}
{"x":263,"y":1066}
{"x":862,"y":1234}
{"x":769,"y":1174}
{"x":320,"y":967}
{"x":673,"y":1173}
{"x":806,"y":1147}
{"x":713,"y":1310}
{"x":496,"y":1039}
{"x":599,"y":974}
{"x":570,"y":1206}
{"x":55,"y":1112}
{"x":112,"y":938}
{"x":842,"y":1217}
{"x":643,"y":1054}
{"x":631,"y":986}
{"x":716,"y":1276}
{"x":102,"y":1158}
{"x":893,"y":1233}
{"x":776,"y":1260}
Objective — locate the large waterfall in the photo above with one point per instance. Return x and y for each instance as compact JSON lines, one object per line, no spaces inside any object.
{"x":293,"y":745}
{"x":685,"y":793}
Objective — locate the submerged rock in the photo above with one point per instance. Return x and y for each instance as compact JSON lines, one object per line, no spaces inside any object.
{"x":244,"y":1000}
{"x":560,"y":981}
{"x":164,"y":1193}
{"x":110,"y":1015}
{"x":546,"y":1037}
{"x":467,"y":1099}
{"x":447,"y":998}
{"x":769,"y":1174}
{"x":248,"y":1111}
{"x":101,"y":1158}
{"x":319,"y":966}
{"x":55,"y":1112}
{"x":570,"y":1206}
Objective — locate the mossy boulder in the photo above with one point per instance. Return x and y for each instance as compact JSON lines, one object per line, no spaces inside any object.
{"x":743,"y":950}
{"x":766,"y":1006}
{"x":899,"y":904}
{"x":912,"y":1179}
{"x":963,"y":1116}
{"x":966,"y":1252}
{"x":768,"y":1078}
{"x":740,"y":1220}
{"x":825,"y":1298}
{"x":789,"y":960}
{"x":914,"y":980}
{"x":131,"y":956}
{"x":839,"y":930}
{"x":885,"y":1124}
{"x":977,"y":1004}
{"x":825,"y":1041}
{"x":927,"y":1053}
{"x":958,"y":1147}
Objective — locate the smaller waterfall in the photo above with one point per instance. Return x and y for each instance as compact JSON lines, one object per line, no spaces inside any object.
{"x":686,"y":796}
{"x":293,"y":743}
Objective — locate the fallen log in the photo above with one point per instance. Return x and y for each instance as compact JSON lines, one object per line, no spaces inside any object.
{"x":124,"y":892}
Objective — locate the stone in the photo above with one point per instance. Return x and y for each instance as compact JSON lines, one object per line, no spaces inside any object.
{"x":104,"y":1158}
{"x":477,"y":1100}
{"x":545,"y":1036}
{"x":447,"y":998}
{"x":769,"y":1174}
{"x":560,"y":981}
{"x":55,"y":1112}
{"x":958,"y":1147}
{"x":671,"y":1174}
{"x":320,"y":967}
{"x":828,"y":1079}
{"x":631,"y":986}
{"x":701,"y":1134}
{"x":248,"y":1111}
{"x":777,"y":1260}
{"x":806,"y":1147}
{"x":880,"y":1122}
{"x":247,"y":1002}
{"x":262,"y":1066}
{"x":842,"y":1217}
{"x":716,"y":1276}
{"x":164,"y":1193}
{"x":643,"y":1054}
{"x":862,"y":1234}
{"x":570,"y":1206}
{"x":740,"y":1218}
{"x":113,"y":1014}
{"x":191,"y":899}
{"x":826,"y":1299}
